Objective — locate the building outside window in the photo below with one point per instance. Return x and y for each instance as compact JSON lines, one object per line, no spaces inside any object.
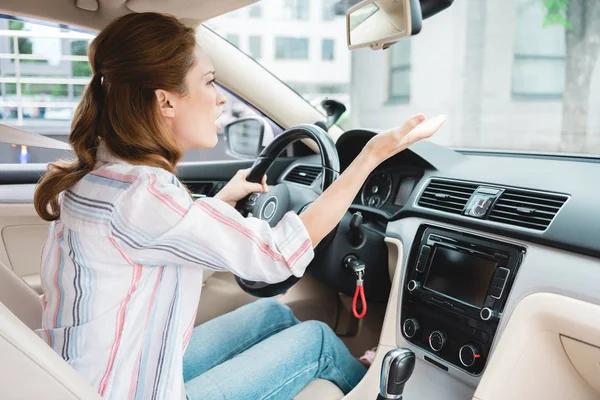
{"x":399,"y":78}
{"x":288,"y":48}
{"x":328,"y":50}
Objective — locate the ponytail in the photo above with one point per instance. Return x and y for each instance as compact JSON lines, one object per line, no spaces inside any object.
{"x":61,"y":175}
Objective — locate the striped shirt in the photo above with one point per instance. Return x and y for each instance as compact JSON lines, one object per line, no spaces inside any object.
{"x":122,"y":273}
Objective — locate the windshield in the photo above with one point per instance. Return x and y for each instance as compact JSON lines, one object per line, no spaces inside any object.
{"x":518,"y":75}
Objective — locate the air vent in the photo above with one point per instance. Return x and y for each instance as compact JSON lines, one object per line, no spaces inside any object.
{"x":303,"y":174}
{"x":448,"y":196}
{"x":200,"y":188}
{"x":526,"y":209}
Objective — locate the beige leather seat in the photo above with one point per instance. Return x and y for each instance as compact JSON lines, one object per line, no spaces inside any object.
{"x":320,"y":389}
{"x":30,"y":369}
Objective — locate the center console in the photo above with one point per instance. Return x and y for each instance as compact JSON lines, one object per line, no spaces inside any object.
{"x":456,"y":287}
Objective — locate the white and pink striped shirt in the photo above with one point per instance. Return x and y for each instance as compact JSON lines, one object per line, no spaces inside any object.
{"x":122,"y":273}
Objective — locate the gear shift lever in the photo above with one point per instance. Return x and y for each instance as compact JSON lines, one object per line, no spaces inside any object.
{"x":397,"y":367}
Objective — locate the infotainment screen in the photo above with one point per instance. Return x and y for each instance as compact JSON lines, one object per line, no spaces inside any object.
{"x":459,"y":275}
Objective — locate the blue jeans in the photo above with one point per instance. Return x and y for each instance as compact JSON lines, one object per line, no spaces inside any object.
{"x":261,"y":351}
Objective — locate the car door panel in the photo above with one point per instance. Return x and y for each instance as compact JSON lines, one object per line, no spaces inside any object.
{"x":22,"y":235}
{"x":23,"y":245}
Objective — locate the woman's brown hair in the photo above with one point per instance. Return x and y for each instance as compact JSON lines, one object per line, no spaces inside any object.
{"x":130,"y":58}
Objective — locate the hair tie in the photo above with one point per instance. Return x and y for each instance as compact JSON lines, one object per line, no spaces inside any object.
{"x":97,"y":88}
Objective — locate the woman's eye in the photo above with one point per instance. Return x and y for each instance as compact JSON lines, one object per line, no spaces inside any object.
{"x":211,"y":82}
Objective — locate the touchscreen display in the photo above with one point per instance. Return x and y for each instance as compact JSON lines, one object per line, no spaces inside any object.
{"x":459,"y":275}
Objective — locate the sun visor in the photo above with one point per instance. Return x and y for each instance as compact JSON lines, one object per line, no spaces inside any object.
{"x":9,"y":134}
{"x":88,"y":5}
{"x":193,"y":9}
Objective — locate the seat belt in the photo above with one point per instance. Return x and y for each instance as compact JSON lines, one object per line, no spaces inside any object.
{"x":12,"y":135}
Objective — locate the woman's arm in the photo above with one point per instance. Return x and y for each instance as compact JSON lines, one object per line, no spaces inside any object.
{"x":326,"y":212}
{"x":155,"y":222}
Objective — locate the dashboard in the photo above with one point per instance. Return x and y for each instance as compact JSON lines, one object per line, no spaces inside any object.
{"x":548,"y":200}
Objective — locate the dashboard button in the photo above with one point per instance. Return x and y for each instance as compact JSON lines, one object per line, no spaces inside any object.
{"x":481,"y":336}
{"x":495,"y":292}
{"x":501,"y":273}
{"x":437,"y":340}
{"x":421,"y":266}
{"x":468,"y":355}
{"x":412,"y":285}
{"x":425,"y":250}
{"x":410,"y":327}
{"x":486,"y":314}
{"x":498,"y":282}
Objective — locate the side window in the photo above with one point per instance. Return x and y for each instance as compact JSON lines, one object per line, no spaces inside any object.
{"x":41,"y":80}
{"x":42,"y":77}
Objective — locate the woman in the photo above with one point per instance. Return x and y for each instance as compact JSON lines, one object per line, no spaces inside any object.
{"x":122,"y":267}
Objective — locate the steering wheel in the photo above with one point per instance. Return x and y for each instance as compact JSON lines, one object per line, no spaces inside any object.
{"x":284,"y":197}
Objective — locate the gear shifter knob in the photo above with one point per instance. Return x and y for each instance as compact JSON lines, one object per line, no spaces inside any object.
{"x":397,"y":367}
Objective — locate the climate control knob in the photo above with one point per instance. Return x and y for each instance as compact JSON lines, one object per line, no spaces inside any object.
{"x":412,"y":285}
{"x":410,"y":327}
{"x":437,"y":340}
{"x":468,"y":355}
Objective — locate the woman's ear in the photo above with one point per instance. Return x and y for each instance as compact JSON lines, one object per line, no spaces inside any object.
{"x":166,"y":103}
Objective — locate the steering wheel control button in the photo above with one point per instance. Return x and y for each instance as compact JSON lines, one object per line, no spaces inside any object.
{"x":412,"y":285}
{"x":253,"y":197}
{"x":468,"y":355}
{"x":410,"y":328}
{"x":437,"y":340}
{"x":269,"y":208}
{"x":486,"y":313}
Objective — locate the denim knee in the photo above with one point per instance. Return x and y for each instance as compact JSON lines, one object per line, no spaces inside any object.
{"x":318,"y":328}
{"x":275,"y":308}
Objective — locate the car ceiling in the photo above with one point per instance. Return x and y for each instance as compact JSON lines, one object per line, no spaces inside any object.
{"x":95,"y":14}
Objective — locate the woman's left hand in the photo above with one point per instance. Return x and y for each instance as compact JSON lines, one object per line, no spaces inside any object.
{"x":238,"y":188}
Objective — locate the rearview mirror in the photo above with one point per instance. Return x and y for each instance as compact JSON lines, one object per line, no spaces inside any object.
{"x":245,"y":137}
{"x":379,"y":23}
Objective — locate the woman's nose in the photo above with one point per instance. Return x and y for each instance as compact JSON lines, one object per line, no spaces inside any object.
{"x":221,"y":99}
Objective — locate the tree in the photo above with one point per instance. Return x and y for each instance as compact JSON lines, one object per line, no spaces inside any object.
{"x":581,"y":19}
{"x":25,"y":45}
{"x":80,"y":68}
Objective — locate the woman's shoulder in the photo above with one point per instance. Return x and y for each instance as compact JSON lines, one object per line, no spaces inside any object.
{"x":91,"y":202}
{"x":106,"y":184}
{"x":117,"y":178}
{"x":125,"y":180}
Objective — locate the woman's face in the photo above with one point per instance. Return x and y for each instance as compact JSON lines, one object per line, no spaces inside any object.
{"x":193,"y":116}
